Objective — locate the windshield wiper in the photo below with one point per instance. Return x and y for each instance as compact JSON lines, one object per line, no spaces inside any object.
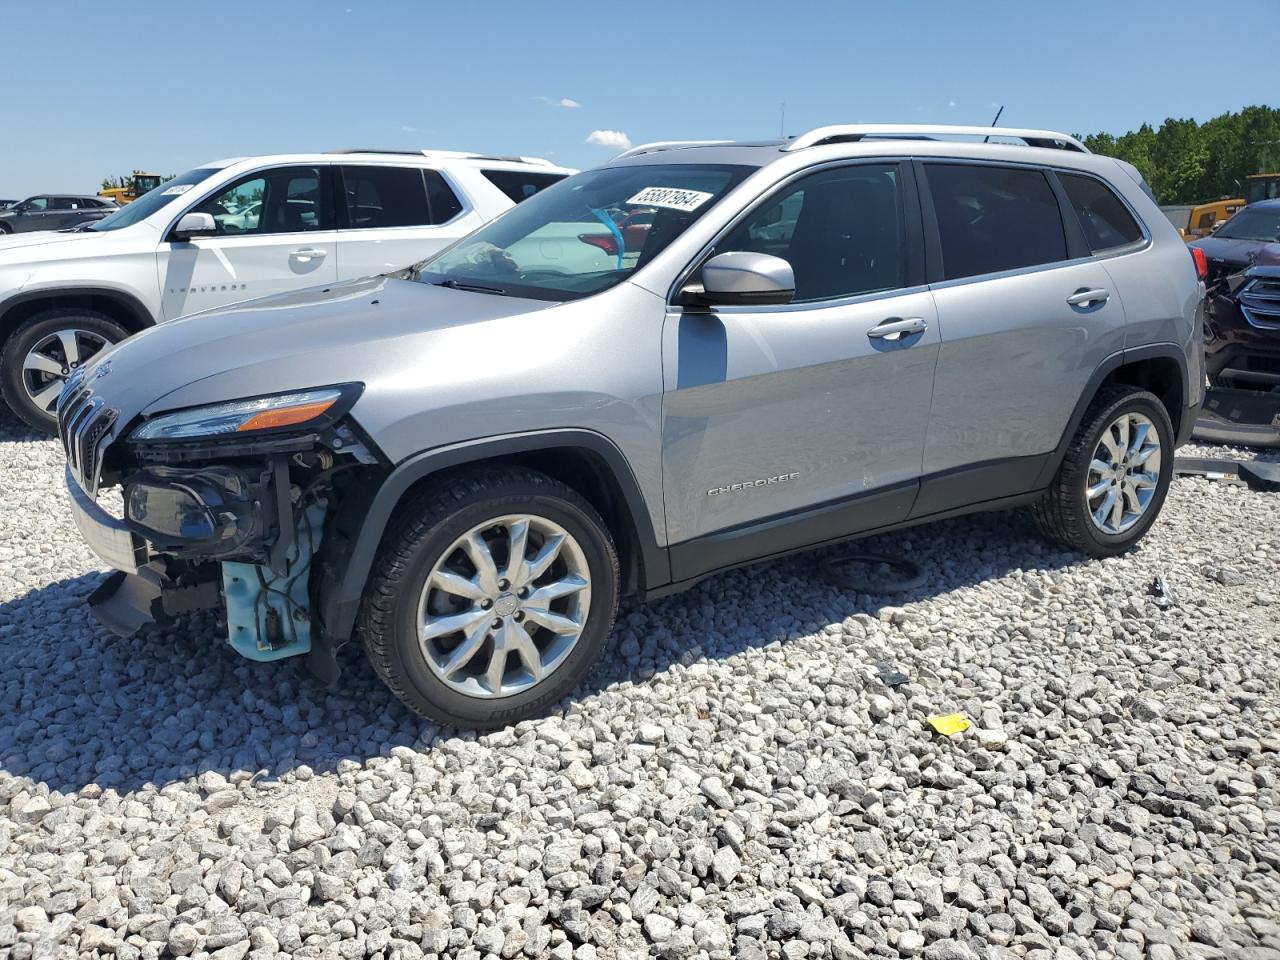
{"x":473,"y":287}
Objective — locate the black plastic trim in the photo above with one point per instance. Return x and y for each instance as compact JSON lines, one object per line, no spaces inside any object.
{"x":141,"y":315}
{"x":1108,"y":366}
{"x":992,"y":480}
{"x":342,"y":603}
{"x":684,"y":583}
{"x":797,"y":530}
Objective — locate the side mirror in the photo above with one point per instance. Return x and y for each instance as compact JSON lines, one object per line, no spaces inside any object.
{"x":194,"y":225}
{"x":739,"y":278}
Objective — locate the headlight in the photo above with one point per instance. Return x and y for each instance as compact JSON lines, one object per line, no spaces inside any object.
{"x":306,"y":408}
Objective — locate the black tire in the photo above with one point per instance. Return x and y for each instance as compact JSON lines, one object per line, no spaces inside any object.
{"x":1063,"y":513}
{"x":27,"y":336}
{"x":5,"y":229}
{"x":422,"y":530}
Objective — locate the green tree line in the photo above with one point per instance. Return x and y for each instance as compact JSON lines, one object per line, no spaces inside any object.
{"x":1189,"y":162}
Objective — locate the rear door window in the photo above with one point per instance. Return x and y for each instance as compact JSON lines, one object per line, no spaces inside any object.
{"x":378,"y":196}
{"x":992,"y":218}
{"x":1106,"y":221}
{"x":520,"y":184}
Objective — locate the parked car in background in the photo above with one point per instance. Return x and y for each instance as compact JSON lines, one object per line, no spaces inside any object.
{"x":1251,"y":236}
{"x":1242,"y":329}
{"x":232,"y":230}
{"x":466,"y":464}
{"x":6,"y":203}
{"x":53,"y":211}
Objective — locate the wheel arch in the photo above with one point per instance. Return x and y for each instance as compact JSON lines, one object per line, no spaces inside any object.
{"x":1160,"y":368}
{"x":583,"y":459}
{"x":124,"y":308}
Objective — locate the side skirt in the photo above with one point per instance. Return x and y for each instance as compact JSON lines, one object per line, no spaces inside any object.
{"x":882,"y":512}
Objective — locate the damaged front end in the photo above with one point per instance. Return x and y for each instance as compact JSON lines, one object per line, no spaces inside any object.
{"x":217,"y":516}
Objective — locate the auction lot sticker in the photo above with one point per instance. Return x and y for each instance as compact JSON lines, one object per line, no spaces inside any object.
{"x":671,"y":197}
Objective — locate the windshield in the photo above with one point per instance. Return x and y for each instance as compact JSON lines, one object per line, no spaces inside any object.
{"x":585,"y":234}
{"x":153,"y":200}
{"x":1253,"y":223}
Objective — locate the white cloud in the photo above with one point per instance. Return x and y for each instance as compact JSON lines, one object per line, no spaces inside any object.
{"x":609,"y":138}
{"x":408,"y":129}
{"x":565,"y":102}
{"x":951,"y":103}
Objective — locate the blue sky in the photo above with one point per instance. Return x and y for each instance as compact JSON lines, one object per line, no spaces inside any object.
{"x":95,"y":88}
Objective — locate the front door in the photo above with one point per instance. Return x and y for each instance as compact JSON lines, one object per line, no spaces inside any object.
{"x":772,"y":411}
{"x":275,"y":233}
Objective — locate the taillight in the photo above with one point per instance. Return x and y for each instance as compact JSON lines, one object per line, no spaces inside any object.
{"x":1202,"y":262}
{"x":601,"y":240}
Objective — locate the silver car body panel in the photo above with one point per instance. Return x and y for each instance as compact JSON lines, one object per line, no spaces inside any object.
{"x":697,"y":402}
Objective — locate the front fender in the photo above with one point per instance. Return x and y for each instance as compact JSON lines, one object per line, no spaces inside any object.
{"x":365,"y":521}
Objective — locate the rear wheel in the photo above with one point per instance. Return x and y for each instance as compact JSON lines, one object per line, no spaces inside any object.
{"x":494,"y":593}
{"x":45,"y":350}
{"x":1114,"y":478}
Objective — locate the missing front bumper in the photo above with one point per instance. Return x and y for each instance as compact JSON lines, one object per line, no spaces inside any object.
{"x":107,"y":536}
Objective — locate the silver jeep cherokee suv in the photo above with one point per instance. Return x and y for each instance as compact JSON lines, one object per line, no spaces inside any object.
{"x":691,"y":358}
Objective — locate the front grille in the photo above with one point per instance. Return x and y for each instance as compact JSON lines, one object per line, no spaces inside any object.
{"x":1260,"y":302}
{"x":84,"y":425}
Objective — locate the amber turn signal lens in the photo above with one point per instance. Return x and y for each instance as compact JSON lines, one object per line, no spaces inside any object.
{"x":286,"y":417}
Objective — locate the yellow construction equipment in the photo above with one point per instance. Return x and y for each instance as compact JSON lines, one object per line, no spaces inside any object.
{"x":135,"y":185}
{"x":1205,"y":216}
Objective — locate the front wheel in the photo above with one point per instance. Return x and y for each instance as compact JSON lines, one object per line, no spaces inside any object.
{"x":493,"y":594}
{"x":1114,"y":478}
{"x":43,"y":352}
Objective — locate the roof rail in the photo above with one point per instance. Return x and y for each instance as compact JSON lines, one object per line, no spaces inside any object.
{"x":451,"y":154}
{"x":853,"y":132}
{"x":657,"y":145}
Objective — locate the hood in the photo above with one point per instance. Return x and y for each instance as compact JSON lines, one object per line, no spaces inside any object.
{"x":39,"y":238}
{"x":373,"y":329}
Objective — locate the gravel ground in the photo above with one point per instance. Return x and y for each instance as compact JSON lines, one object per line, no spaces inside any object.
{"x":735,"y":781}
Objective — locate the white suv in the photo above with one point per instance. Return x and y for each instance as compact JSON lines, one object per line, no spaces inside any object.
{"x":234,"y":230}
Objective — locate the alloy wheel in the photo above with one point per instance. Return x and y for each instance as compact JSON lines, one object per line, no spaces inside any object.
{"x":1124,"y":473}
{"x":504,"y":606}
{"x":54,"y":358}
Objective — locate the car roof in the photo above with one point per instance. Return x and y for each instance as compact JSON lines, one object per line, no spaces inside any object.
{"x":877,"y":140}
{"x":452,"y":158}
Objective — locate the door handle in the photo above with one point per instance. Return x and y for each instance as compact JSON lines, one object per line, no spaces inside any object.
{"x":895,"y":329}
{"x":307,"y":254}
{"x":1083,"y":298}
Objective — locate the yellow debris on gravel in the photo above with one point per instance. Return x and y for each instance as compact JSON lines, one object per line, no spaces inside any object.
{"x":949,"y":723}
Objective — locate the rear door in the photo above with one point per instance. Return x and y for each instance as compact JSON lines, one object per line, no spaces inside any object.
{"x":1026,"y":316}
{"x":391,"y":217}
{"x":769,"y":410}
{"x":275,"y":233}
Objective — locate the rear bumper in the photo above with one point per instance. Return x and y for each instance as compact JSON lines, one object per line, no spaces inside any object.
{"x":108,"y":537}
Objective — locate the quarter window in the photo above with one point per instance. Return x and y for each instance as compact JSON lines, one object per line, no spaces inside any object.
{"x":520,"y":184}
{"x":994,"y":218}
{"x":285,"y":200}
{"x":1105,"y":219}
{"x":445,"y":204}
{"x":841,"y":230}
{"x":385,"y":197}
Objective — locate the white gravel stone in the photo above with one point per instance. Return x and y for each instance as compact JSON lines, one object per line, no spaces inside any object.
{"x":735,"y":780}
